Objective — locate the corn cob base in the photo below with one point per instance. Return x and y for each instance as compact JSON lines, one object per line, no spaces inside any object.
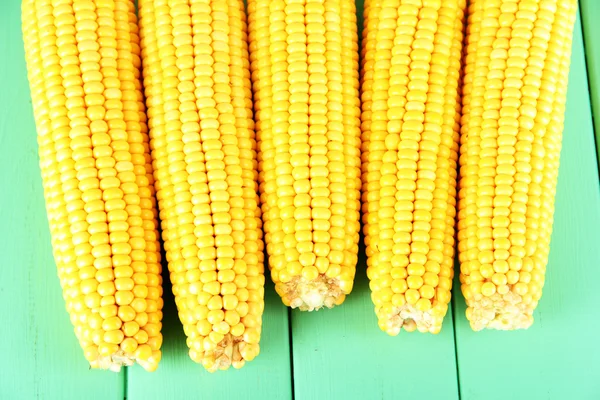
{"x":516,"y":73}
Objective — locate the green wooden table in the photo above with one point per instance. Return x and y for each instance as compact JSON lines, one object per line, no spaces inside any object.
{"x":332,"y":354}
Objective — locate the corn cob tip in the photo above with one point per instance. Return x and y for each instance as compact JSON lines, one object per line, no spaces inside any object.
{"x":502,"y":312}
{"x":312,"y":295}
{"x":411,"y":318}
{"x":232,"y":351}
{"x":114,"y":362}
{"x":120,"y":358}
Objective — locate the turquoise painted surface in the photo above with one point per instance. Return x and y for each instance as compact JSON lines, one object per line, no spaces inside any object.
{"x":333,"y":354}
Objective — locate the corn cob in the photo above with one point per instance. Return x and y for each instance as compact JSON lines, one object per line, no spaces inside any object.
{"x":304,"y":58}
{"x":516,"y":73}
{"x":197,"y":81}
{"x":410,"y":97}
{"x":83,"y":67}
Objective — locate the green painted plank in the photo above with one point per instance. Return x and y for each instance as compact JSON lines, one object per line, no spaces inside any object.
{"x":40,"y":354}
{"x":590,"y":17}
{"x":557,"y":357}
{"x":342,"y":354}
{"x":178,"y":377}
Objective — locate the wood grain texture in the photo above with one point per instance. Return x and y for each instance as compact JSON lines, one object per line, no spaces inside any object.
{"x":178,"y":377}
{"x":558,"y":356}
{"x":590,"y":20}
{"x":41,"y":358}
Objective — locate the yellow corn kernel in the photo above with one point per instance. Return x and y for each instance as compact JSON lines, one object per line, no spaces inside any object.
{"x":516,"y":73}
{"x":197,"y":83}
{"x":304,"y":60}
{"x":410,"y":107}
{"x":84,"y":73}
